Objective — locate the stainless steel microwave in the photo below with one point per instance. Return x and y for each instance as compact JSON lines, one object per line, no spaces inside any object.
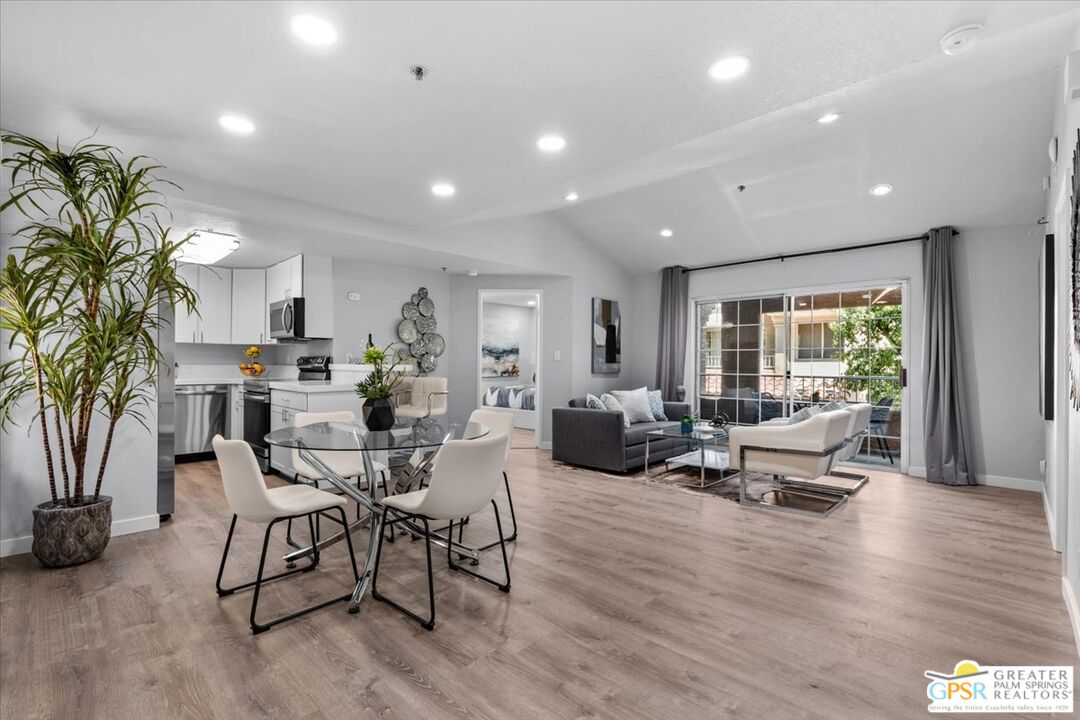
{"x":287,"y":319}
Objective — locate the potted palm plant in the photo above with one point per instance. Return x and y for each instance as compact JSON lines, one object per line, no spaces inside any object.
{"x":378,"y":387}
{"x":80,"y":298}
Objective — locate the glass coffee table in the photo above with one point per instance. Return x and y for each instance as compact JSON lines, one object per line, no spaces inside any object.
{"x":706,"y":448}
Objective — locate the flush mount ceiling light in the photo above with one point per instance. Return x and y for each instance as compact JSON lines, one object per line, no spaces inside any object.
{"x":961,"y":39}
{"x":881,"y":189}
{"x":313,"y":30}
{"x":828,"y":118}
{"x":571,"y":196}
{"x":551,"y":143}
{"x":206,"y":247}
{"x":236,"y":124}
{"x":443,"y":189}
{"x":666,"y":233}
{"x":729,"y":68}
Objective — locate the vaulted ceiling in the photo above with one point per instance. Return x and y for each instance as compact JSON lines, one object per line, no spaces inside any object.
{"x":652,"y":140}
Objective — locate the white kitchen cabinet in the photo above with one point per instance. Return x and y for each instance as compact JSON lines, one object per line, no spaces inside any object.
{"x":278,"y":282}
{"x":236,"y":413}
{"x":296,"y":276}
{"x":186,"y":323}
{"x":249,"y":306}
{"x":281,"y":458}
{"x":215,"y":304}
{"x":213,"y":323}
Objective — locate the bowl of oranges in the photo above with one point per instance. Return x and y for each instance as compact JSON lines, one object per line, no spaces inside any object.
{"x":252,"y":368}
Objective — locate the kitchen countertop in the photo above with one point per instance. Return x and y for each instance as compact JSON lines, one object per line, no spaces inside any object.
{"x":222,"y":380}
{"x":312,"y":386}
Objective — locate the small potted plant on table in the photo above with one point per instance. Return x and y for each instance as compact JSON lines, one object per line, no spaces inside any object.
{"x":378,"y":387}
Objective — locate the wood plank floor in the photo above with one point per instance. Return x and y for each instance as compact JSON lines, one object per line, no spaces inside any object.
{"x":630,"y":600}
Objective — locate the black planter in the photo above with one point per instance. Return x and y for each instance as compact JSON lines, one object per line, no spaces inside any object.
{"x":378,"y":413}
{"x":72,"y":535}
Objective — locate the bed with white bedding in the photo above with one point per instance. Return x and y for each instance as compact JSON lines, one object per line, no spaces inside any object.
{"x":518,"y":399}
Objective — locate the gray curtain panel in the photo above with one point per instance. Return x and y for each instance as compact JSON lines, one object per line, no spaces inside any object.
{"x":671,"y":347}
{"x":948,"y":452}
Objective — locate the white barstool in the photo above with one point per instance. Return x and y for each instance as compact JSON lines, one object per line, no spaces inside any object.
{"x":465,"y":479}
{"x":251,"y":500}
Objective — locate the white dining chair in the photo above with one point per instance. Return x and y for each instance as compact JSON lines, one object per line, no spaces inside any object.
{"x":465,"y":480}
{"x":250,"y":500}
{"x":501,"y":424}
{"x":805,"y":450}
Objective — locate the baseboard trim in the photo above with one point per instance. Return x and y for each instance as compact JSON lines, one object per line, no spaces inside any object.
{"x":1010,"y":482}
{"x":990,"y":480}
{"x":1074,"y":610}
{"x":20,"y":545}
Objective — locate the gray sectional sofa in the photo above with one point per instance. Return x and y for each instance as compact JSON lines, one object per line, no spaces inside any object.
{"x":598,"y":439}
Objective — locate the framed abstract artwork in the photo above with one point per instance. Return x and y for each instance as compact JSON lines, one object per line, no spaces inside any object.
{"x":1074,"y":277}
{"x":606,"y":337}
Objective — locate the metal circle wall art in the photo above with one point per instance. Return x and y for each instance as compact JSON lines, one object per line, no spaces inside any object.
{"x":417,"y":331}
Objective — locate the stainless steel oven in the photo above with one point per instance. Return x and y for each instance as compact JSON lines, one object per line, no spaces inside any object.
{"x":287,"y":319}
{"x":257,"y":420}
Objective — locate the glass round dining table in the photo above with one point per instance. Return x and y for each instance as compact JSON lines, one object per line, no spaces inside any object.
{"x":420,"y":439}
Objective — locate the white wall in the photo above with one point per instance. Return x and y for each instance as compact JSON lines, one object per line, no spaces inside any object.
{"x":997,"y":299}
{"x":383,"y":289}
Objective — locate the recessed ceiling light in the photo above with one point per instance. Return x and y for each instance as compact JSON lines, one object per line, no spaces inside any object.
{"x":666,"y":232}
{"x":236,"y":125}
{"x":729,"y":68}
{"x":471,"y":273}
{"x":443,"y":189}
{"x":206,"y":247}
{"x":313,"y":30}
{"x":881,"y":189}
{"x":531,"y":303}
{"x":828,"y":118}
{"x":551,"y":143}
{"x":571,"y":196}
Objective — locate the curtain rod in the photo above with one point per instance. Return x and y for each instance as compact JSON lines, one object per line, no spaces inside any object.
{"x":808,"y":253}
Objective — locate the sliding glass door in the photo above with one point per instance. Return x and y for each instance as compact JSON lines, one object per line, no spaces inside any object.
{"x":767,"y":357}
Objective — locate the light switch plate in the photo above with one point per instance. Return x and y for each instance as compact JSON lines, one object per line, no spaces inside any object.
{"x":557,"y":355}
{"x":353,"y":297}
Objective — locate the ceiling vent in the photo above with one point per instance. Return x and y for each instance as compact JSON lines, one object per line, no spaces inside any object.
{"x":961,"y":39}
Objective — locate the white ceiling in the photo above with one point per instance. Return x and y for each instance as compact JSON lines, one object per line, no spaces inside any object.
{"x":652,"y":140}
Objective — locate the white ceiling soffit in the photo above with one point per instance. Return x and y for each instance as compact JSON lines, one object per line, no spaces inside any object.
{"x":350,"y":128}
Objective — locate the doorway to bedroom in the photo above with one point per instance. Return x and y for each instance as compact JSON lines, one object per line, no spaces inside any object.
{"x":509,"y":355}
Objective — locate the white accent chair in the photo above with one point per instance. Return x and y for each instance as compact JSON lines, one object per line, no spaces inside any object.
{"x":465,"y":479}
{"x":858,"y":422}
{"x":420,"y":397}
{"x":252,"y":501}
{"x":806,"y":450}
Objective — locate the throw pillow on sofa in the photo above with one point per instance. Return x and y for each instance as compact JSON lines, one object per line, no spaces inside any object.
{"x":805,"y":414}
{"x":594,"y":403}
{"x":635,"y":404}
{"x":656,"y":405}
{"x":611,"y":403}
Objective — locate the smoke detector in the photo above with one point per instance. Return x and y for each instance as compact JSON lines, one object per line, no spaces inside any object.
{"x":961,"y":39}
